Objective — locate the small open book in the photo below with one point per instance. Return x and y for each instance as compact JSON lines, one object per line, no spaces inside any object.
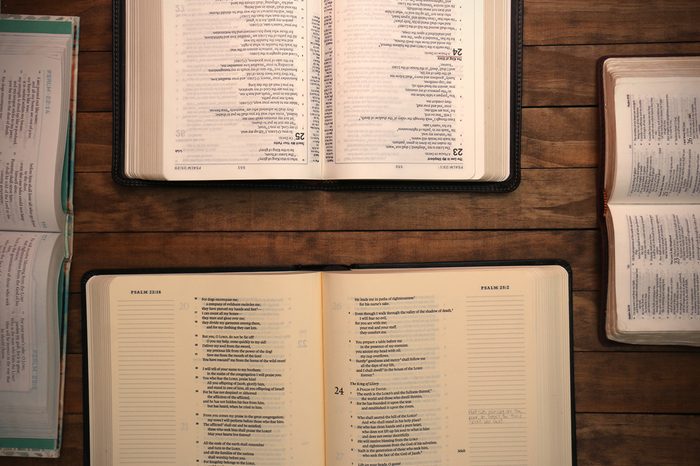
{"x":322,"y":91}
{"x":401,"y":366}
{"x":652,"y":185}
{"x":38,"y":73}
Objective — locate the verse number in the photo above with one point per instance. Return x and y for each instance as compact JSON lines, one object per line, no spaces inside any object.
{"x":339,"y":391}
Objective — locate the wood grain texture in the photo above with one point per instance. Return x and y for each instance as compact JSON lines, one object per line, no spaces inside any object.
{"x":73,"y":396}
{"x":610,"y":21}
{"x":95,"y":82}
{"x":560,"y":137}
{"x":637,"y":440}
{"x":566,"y":75}
{"x":93,"y":148}
{"x":608,"y":382}
{"x":546,"y":21}
{"x":625,"y":394}
{"x":556,"y":198}
{"x":230,"y":249}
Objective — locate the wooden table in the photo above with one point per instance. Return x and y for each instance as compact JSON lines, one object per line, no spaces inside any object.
{"x":635,"y":405}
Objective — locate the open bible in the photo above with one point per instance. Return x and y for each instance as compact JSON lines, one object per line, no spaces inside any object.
{"x":38,"y":73}
{"x":337,"y":93}
{"x":652,"y":191}
{"x":366,"y":366}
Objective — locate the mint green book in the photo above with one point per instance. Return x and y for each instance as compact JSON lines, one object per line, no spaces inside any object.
{"x":38,"y":78}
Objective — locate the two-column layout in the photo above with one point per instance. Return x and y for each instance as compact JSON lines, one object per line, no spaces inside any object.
{"x":366,"y":368}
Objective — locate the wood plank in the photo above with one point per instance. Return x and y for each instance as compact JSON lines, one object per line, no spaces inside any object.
{"x":95,"y":82}
{"x":610,"y":21}
{"x":95,"y":18}
{"x":566,"y":75}
{"x":551,"y":198}
{"x":546,"y":21}
{"x":93,"y":145}
{"x":637,"y":440}
{"x":552,"y":137}
{"x":74,"y":343}
{"x":637,"y":382}
{"x":73,"y":396}
{"x":560,"y":137}
{"x":259,"y":249}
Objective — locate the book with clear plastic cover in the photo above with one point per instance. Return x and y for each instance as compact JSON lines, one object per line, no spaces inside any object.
{"x":37,"y":112}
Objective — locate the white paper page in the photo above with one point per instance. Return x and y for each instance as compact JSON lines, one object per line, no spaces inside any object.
{"x":657,"y":267}
{"x":657,"y":140}
{"x":240,"y":101}
{"x":29,"y":353}
{"x":207,"y":367}
{"x":444,"y":367}
{"x":32,"y":140}
{"x":407,"y":89}
{"x":17,"y":316}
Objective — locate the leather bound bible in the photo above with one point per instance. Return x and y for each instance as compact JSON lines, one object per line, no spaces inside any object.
{"x":651,"y":195}
{"x":452,"y":363}
{"x":308,"y":94}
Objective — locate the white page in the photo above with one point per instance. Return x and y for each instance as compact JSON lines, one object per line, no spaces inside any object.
{"x":657,"y":140}
{"x":657,"y":267}
{"x":238,"y":89}
{"x":32,"y":140}
{"x":408,"y":80}
{"x":449,"y":366}
{"x":29,"y":352}
{"x":205,"y":367}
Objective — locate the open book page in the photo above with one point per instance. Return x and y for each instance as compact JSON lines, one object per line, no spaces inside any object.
{"x":33,"y":122}
{"x":207,"y":369}
{"x":241,"y":88}
{"x":656,"y":267}
{"x":29,"y":341}
{"x":406,"y":93}
{"x":450,"y":366}
{"x":657,"y":140}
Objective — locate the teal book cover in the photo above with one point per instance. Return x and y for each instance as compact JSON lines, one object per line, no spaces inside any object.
{"x":27,"y":43}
